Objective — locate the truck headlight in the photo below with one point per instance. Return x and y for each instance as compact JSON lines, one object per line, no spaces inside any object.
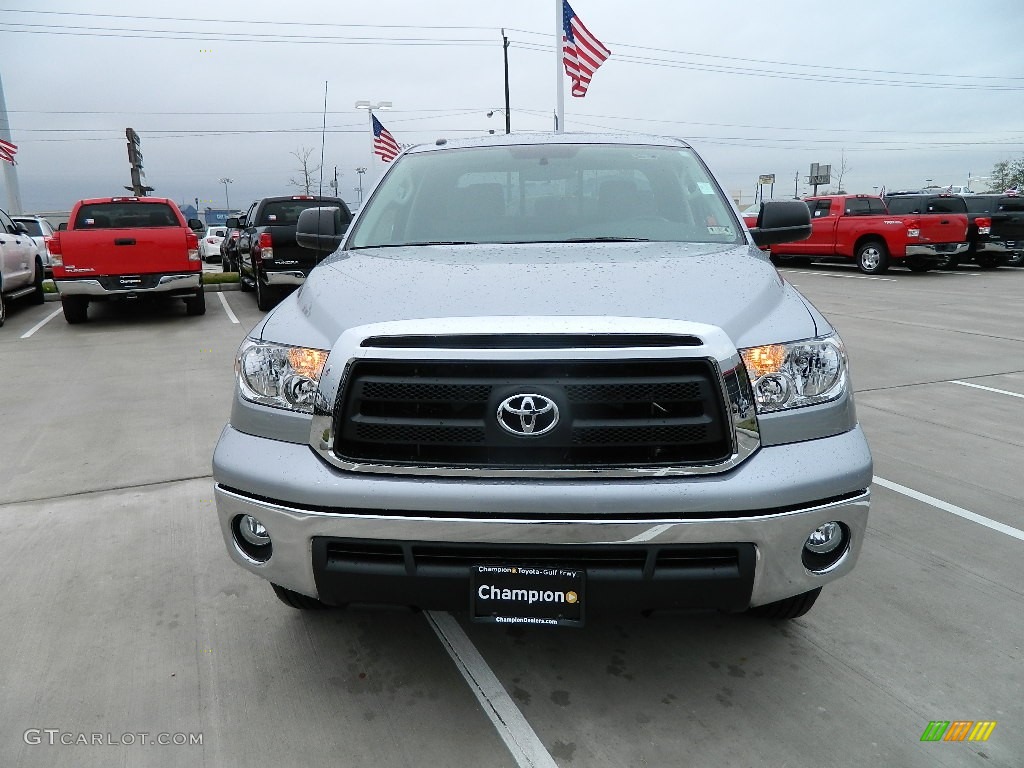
{"x":796,"y":374}
{"x":278,"y":375}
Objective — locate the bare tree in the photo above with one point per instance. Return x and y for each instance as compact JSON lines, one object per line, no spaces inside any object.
{"x":843,"y":168}
{"x":306,"y":170}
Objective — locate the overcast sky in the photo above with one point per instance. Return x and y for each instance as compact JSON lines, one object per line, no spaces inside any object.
{"x":905,"y":91}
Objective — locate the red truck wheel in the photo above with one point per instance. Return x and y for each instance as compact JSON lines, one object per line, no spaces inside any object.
{"x":76,"y":309}
{"x":873,"y":257}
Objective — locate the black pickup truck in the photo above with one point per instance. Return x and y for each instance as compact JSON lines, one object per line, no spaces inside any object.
{"x":1004,"y":244}
{"x":270,"y":262}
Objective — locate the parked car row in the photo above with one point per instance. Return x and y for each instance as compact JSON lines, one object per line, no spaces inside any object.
{"x":920,"y":230}
{"x":264,"y":252}
{"x":21,"y":264}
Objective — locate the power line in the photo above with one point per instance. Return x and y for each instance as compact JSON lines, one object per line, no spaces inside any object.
{"x":779,"y":75}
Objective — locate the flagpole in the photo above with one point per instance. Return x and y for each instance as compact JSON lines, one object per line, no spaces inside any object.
{"x":559,"y":69}
{"x":10,"y":172}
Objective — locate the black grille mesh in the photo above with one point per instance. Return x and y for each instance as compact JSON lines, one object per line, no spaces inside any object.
{"x":618,"y":413}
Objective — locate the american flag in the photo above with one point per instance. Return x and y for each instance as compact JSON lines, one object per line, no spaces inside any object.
{"x":7,"y":151}
{"x":582,"y":53}
{"x":384,"y":144}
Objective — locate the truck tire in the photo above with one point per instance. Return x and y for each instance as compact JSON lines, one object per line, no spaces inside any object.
{"x":266,"y":297}
{"x":950,"y":262}
{"x":1016,"y":259}
{"x":197,"y":304}
{"x":987,"y":262}
{"x":38,"y":294}
{"x":919,"y":267}
{"x":297,"y":600}
{"x":789,"y":608}
{"x":873,"y":257}
{"x":76,"y":309}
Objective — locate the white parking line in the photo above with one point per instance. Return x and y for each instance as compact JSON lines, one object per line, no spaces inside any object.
{"x":951,"y":508}
{"x":522,"y":741}
{"x":41,"y":323}
{"x":231,"y":315}
{"x":987,"y":389}
{"x":833,"y":274}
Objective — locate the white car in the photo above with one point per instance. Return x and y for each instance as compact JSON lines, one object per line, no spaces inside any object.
{"x":39,"y":229}
{"x":209,"y":244}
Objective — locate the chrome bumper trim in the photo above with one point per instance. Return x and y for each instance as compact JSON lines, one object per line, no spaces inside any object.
{"x":285,"y":278}
{"x":932,"y":249}
{"x":167,"y":283}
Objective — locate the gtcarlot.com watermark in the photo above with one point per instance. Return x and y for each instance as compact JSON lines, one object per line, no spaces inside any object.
{"x":54,"y":736}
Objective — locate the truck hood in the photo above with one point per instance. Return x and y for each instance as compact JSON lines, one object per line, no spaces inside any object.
{"x":734,"y":288}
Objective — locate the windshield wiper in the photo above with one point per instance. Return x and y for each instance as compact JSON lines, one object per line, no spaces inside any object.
{"x":413,"y":245}
{"x":606,"y":239}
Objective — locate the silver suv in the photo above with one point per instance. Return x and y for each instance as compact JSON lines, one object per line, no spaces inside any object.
{"x":543,"y":377}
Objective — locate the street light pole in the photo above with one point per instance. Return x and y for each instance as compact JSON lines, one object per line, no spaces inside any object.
{"x":359,"y":189}
{"x":227,"y":202}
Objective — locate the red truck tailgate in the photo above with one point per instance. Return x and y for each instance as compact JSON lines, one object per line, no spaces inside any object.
{"x":126,"y":251}
{"x":943,"y":228}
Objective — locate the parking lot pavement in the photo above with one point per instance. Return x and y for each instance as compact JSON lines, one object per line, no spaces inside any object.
{"x":123,"y":614}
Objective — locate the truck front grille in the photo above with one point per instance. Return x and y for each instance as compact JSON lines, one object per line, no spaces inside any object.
{"x":623,"y":413}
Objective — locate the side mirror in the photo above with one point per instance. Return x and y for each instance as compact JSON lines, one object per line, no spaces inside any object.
{"x":232,"y":223}
{"x":62,"y":227}
{"x":782,"y":221}
{"x":321,"y":229}
{"x":196,"y":225}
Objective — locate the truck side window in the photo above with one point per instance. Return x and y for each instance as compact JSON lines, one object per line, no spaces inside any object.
{"x":857,"y":206}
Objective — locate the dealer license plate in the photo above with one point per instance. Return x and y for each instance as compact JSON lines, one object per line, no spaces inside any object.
{"x":526,"y":594}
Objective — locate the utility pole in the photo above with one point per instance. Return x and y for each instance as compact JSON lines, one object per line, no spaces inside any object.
{"x":508,"y":115}
{"x":796,"y":186}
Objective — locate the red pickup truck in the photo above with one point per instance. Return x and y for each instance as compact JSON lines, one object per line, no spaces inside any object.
{"x":126,"y":248}
{"x":860,"y":227}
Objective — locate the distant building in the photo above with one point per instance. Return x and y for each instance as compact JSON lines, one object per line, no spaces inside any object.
{"x":217,"y":216}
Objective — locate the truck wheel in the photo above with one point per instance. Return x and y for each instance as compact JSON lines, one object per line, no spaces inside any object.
{"x":266,"y":297}
{"x":1016,"y":259}
{"x":38,"y":294}
{"x":76,"y":309}
{"x":873,"y":257}
{"x":789,"y":608}
{"x":297,"y":599}
{"x":197,"y":304}
{"x":243,"y":282}
{"x":987,"y":262}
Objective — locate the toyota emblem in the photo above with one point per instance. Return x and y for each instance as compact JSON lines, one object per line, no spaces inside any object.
{"x":530,"y":414}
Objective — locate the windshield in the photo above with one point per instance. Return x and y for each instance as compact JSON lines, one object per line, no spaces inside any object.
{"x":281,"y":213}
{"x":547,"y":193}
{"x":125,"y":215}
{"x":32,"y":226}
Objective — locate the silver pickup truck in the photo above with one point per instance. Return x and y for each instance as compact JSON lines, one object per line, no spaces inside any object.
{"x":541,"y":378}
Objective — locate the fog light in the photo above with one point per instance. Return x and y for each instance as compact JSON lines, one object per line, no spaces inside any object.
{"x":823,"y":539}
{"x":252,"y":530}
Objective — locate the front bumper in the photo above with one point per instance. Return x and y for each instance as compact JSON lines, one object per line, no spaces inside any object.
{"x":772,"y":502}
{"x":184,"y":283}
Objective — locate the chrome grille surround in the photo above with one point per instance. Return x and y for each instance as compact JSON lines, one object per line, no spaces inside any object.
{"x":716,"y":348}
